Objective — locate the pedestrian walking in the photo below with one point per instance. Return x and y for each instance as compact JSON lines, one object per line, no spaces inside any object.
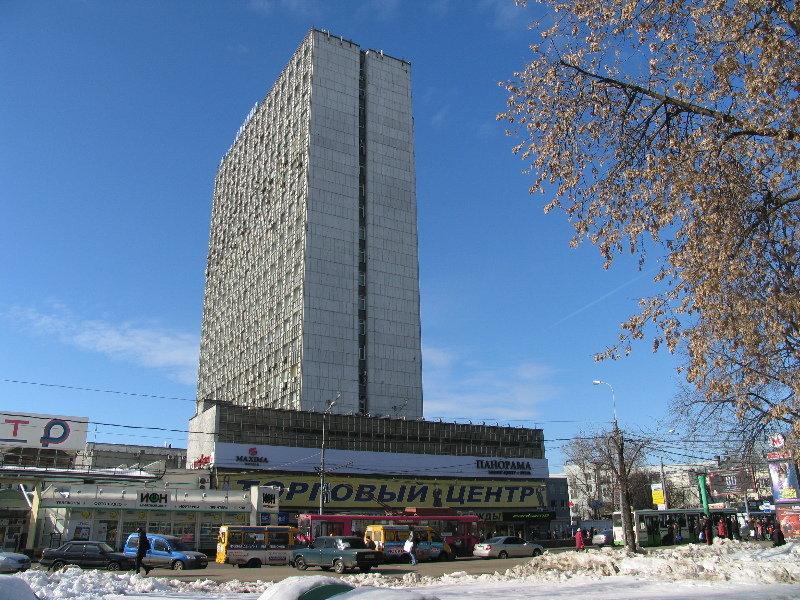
{"x":410,"y":547}
{"x":141,"y":552}
{"x":722,"y":529}
{"x":708,"y":530}
{"x":579,"y":543}
{"x":777,"y":536}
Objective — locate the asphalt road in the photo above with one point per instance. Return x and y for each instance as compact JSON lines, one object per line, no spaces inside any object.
{"x":216,"y":572}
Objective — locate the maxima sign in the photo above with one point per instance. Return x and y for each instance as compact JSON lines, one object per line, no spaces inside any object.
{"x":31,"y":430}
{"x":306,"y":460}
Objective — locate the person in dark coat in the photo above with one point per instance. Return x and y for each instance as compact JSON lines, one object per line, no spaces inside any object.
{"x":777,"y":536}
{"x":141,"y":552}
{"x":708,"y":531}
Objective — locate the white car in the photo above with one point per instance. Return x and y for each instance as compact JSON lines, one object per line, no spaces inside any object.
{"x":506,"y":546}
{"x":12,"y":562}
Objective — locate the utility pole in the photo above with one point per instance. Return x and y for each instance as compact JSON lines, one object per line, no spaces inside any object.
{"x":622,"y":475}
{"x":664,"y":486}
{"x":331,"y":404}
{"x":624,"y":490}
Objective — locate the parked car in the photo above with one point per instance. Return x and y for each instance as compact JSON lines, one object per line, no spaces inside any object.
{"x":166,"y":551}
{"x":603,"y":538}
{"x":87,"y":555}
{"x":338,"y":553}
{"x":506,"y":546}
{"x":13,"y":562}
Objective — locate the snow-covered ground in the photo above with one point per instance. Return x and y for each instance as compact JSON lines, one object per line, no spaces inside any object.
{"x":734,"y":570}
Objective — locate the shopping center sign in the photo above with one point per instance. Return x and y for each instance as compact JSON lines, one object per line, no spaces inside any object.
{"x":377,"y":492}
{"x":32,"y":430}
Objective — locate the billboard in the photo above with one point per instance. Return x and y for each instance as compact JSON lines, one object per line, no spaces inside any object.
{"x":784,"y":480}
{"x":729,"y":482}
{"x":306,"y":460}
{"x":370,"y":493}
{"x":31,"y":430}
{"x":657,"y":491}
{"x":788,"y":515}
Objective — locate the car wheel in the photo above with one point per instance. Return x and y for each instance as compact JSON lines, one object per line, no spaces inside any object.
{"x":503,"y":554}
{"x":253,"y":563}
{"x":57,"y":565}
{"x":113,"y":566}
{"x":338,"y":566}
{"x":537,"y":552}
{"x":178,"y":565}
{"x":300,"y":563}
{"x":366,"y":568}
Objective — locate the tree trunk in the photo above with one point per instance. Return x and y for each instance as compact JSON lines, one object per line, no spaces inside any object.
{"x":625,"y":492}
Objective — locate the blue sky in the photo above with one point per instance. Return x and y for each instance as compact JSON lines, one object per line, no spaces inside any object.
{"x":113,"y":118}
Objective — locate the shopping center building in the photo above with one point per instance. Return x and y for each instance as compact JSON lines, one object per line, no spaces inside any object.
{"x":311,"y":322}
{"x":375,"y":465}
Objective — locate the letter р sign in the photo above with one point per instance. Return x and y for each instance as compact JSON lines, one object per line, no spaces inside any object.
{"x":33,"y":430}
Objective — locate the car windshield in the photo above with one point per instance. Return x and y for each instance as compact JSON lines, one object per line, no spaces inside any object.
{"x":105,"y":547}
{"x":351,"y":542}
{"x":494,"y":540}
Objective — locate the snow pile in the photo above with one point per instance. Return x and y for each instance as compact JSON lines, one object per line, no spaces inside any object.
{"x":95,"y":585}
{"x":743,"y":562}
{"x":727,"y":561}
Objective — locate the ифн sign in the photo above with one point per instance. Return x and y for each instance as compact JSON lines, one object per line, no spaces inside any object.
{"x":153,"y":499}
{"x":369,"y":493}
{"x":31,"y":430}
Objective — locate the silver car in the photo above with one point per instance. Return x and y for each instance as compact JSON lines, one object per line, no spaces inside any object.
{"x":13,"y":562}
{"x":603,"y":538}
{"x":506,"y":546}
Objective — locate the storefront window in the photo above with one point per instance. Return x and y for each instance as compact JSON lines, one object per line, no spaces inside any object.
{"x":159,"y":522}
{"x":209,"y":530}
{"x":106,"y":523}
{"x":132,"y":520}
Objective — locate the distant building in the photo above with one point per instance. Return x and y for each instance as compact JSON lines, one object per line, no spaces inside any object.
{"x":127,"y":456}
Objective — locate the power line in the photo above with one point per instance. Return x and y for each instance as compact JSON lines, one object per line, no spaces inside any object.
{"x":102,"y":391}
{"x":183,"y":399}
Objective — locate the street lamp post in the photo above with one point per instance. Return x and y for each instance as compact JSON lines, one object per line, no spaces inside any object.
{"x":613,"y":397}
{"x":622,"y":475}
{"x":331,"y":404}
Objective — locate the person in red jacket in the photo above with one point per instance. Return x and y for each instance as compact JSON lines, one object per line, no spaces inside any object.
{"x":579,"y":544}
{"x":722,"y":528}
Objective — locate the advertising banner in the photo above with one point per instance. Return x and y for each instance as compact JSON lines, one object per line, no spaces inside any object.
{"x":729,"y":482}
{"x":306,"y":460}
{"x":30,"y":430}
{"x":788,"y":515}
{"x":369,"y":493}
{"x":784,"y":480}
{"x":657,"y":491}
